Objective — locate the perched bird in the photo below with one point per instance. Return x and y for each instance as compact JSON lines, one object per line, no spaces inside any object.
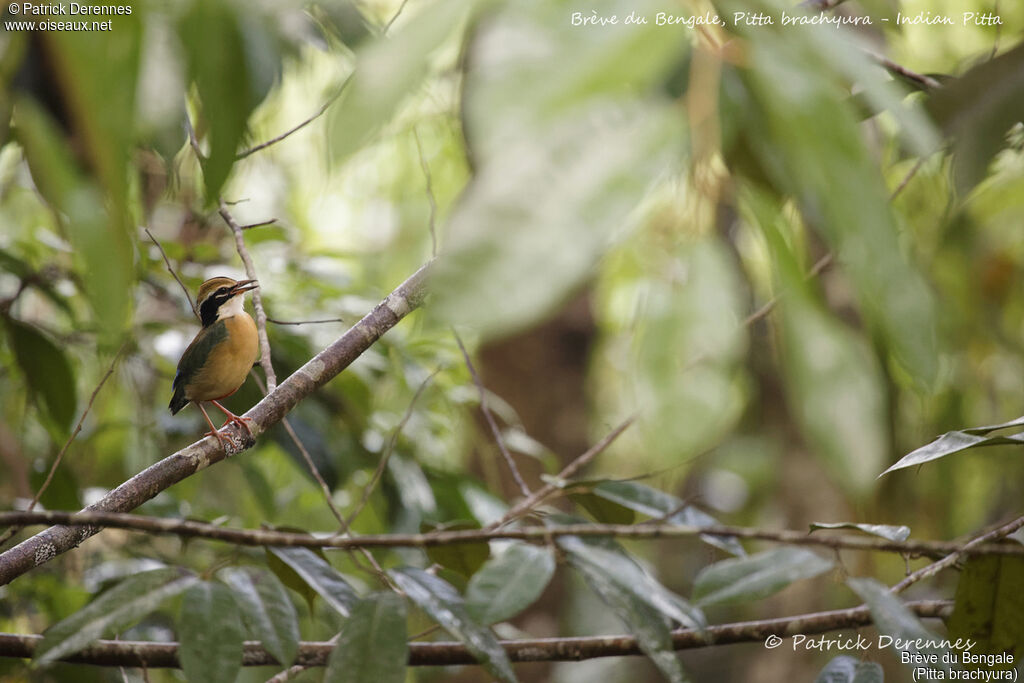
{"x":217,"y":361}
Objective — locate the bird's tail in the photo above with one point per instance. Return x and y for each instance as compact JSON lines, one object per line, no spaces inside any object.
{"x":178,"y":400}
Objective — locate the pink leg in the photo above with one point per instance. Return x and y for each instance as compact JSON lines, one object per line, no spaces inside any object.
{"x":237,"y":419}
{"x":213,"y":430}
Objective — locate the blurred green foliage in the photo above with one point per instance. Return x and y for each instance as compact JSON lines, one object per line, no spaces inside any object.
{"x":684,"y":182}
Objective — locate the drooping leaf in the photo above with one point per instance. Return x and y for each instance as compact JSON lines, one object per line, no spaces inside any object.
{"x":442,"y":602}
{"x":613,"y":564}
{"x":387,"y":70}
{"x":319,"y":575}
{"x":372,"y":646}
{"x":46,"y":370}
{"x":462,"y":558}
{"x":890,"y":532}
{"x":894,"y":621}
{"x":989,"y":607}
{"x":757,"y":576}
{"x":977,"y":110}
{"x":130,"y":600}
{"x":211,"y":634}
{"x":509,"y":583}
{"x":267,"y":609}
{"x":215,"y":54}
{"x":290,"y":578}
{"x":846,"y":669}
{"x":657,"y":504}
{"x":623,"y":586}
{"x":603,"y":510}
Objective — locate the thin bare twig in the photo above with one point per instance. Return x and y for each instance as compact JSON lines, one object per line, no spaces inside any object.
{"x":387,"y":26}
{"x":920,"y":81}
{"x":432,"y":220}
{"x":821,"y":264}
{"x":64,"y":449}
{"x":170,"y":269}
{"x":165,"y":655}
{"x":490,"y":418}
{"x":530,"y":534}
{"x":305,"y":322}
{"x":955,"y":556}
{"x":382,"y":465}
{"x":257,"y":296}
{"x":527,"y":504}
{"x":320,"y":112}
{"x":250,"y":226}
{"x":906,"y":179}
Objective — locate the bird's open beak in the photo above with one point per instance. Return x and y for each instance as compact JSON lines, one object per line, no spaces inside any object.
{"x":244,"y":286}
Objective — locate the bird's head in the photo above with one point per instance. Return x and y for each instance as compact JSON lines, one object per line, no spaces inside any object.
{"x":221,"y":297}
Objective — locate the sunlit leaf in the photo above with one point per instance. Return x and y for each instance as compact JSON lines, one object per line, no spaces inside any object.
{"x":267,"y":609}
{"x":757,"y":576}
{"x":387,"y":70}
{"x":443,"y":603}
{"x":989,"y":607}
{"x":319,"y":575}
{"x":372,"y":645}
{"x":46,"y":370}
{"x":890,"y":532}
{"x":210,"y":632}
{"x":130,"y":600}
{"x":509,"y":583}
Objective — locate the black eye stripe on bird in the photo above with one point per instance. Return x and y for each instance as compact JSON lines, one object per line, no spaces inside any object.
{"x":217,"y":361}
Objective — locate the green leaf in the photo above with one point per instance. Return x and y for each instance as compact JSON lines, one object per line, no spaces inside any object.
{"x":462,"y":558}
{"x":655,"y":503}
{"x":268,"y":611}
{"x":215,"y":54}
{"x":989,"y":607}
{"x":319,"y":575}
{"x":211,"y":634}
{"x":386,"y":71}
{"x":443,"y":604}
{"x":845,"y":669}
{"x":46,"y":370}
{"x":894,"y":621}
{"x":603,"y":510}
{"x":957,"y":441}
{"x":758,"y":576}
{"x":615,"y":584}
{"x":509,"y":583}
{"x":372,"y":646}
{"x":610,"y":561}
{"x":533,"y":223}
{"x":892,"y":533}
{"x":290,"y":578}
{"x":690,"y":348}
{"x":977,"y":110}
{"x":119,"y":607}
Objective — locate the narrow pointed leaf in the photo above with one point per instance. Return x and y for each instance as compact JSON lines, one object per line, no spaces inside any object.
{"x":655,"y":503}
{"x":267,"y":609}
{"x":614,"y":565}
{"x":211,"y":634}
{"x":892,"y":533}
{"x":895,"y":621}
{"x":647,"y":623}
{"x":130,"y":600}
{"x":956,"y":442}
{"x":47,"y":371}
{"x":509,"y":583}
{"x":442,"y":602}
{"x":372,"y":646}
{"x":320,"y":576}
{"x":757,"y":576}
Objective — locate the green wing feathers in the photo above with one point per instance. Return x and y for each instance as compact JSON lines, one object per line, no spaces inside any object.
{"x":192,"y":362}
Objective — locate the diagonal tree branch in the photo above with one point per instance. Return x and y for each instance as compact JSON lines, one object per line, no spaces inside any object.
{"x":165,"y":655}
{"x":145,"y":485}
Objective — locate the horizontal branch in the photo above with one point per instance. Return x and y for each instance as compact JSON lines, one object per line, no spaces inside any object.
{"x":323,"y":367}
{"x":535,"y":534}
{"x":165,"y":655}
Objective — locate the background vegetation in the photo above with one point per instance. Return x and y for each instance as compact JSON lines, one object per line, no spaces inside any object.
{"x":791,"y":259}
